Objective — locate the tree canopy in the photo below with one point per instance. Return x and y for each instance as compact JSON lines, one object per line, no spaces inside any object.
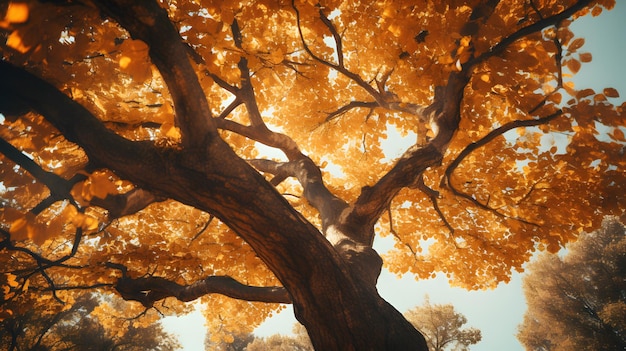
{"x":443,"y":327}
{"x":74,"y":327}
{"x":579,"y":300}
{"x":172,"y":150}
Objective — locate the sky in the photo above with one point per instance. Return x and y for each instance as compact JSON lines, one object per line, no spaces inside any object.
{"x":498,"y":312}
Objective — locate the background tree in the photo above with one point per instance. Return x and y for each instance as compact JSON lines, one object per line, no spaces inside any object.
{"x":299,"y":342}
{"x":231,"y":342}
{"x":579,"y":300}
{"x":132,"y":159}
{"x":76,"y":327}
{"x":441,"y":326}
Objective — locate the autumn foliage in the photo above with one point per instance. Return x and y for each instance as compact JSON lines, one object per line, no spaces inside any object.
{"x":166,"y":151}
{"x":577,"y":300}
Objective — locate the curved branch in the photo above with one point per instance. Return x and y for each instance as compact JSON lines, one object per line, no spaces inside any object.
{"x":336,"y":36}
{"x":148,"y":290}
{"x":489,"y":137}
{"x":147,"y":21}
{"x":59,"y":188}
{"x":120,"y":205}
{"x":246,"y":93}
{"x":530,"y":29}
{"x":482,"y":142}
{"x":433,"y":195}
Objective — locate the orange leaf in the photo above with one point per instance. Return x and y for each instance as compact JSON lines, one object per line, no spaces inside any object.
{"x":15,"y":41}
{"x":17,"y":13}
{"x":596,"y":11}
{"x":20,"y":228}
{"x":27,"y":227}
{"x":573,"y":65}
{"x":12,"y":280}
{"x":585,"y":57}
{"x":556,"y":98}
{"x":599,"y":97}
{"x":100,"y":185}
{"x":618,"y":135}
{"x":124,"y":62}
{"x":611,"y":92}
{"x":584,"y":93}
{"x":576,"y":44}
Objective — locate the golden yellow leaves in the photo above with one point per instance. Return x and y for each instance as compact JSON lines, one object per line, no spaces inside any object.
{"x":170,"y":131}
{"x":47,"y":225}
{"x":134,"y":60}
{"x":15,"y":41}
{"x":25,"y":226}
{"x":10,"y":287}
{"x":16,"y":13}
{"x":99,"y":184}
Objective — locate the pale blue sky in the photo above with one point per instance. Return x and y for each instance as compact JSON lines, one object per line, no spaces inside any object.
{"x":497,"y":313}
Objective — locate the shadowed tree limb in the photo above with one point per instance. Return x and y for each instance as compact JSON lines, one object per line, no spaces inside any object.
{"x":118,"y":205}
{"x":59,"y":187}
{"x":148,"y":290}
{"x":351,"y":105}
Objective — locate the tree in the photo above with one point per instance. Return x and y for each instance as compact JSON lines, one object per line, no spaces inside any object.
{"x":277,"y":342}
{"x":236,"y":342}
{"x":132,"y":159}
{"x":441,"y":326}
{"x":579,"y":300}
{"x":76,"y":327}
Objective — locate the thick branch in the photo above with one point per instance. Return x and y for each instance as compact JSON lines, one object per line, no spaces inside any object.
{"x":120,"y":205}
{"x":59,"y":187}
{"x":147,"y":21}
{"x":374,"y":201}
{"x":77,"y":124}
{"x":149,"y":290}
{"x":309,"y":176}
